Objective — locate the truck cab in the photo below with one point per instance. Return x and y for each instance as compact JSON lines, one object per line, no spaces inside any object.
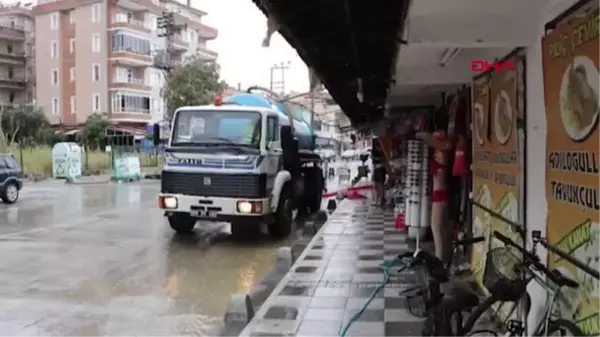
{"x":239,"y":164}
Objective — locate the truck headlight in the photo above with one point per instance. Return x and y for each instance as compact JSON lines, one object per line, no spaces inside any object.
{"x":167,"y":202}
{"x":244,"y":207}
{"x":249,"y":207}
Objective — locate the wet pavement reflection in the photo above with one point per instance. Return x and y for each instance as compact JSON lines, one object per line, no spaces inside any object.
{"x":101,"y":260}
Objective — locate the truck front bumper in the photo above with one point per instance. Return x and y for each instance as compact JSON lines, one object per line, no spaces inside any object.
{"x":216,"y":209}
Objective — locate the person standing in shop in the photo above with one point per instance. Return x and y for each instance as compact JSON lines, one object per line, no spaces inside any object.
{"x":379,"y":173}
{"x":442,"y":145}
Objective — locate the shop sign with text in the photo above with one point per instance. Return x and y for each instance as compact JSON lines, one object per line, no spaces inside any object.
{"x":570,"y":67}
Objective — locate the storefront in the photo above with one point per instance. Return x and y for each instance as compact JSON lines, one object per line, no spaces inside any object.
{"x":535,"y":156}
{"x":563,"y":202}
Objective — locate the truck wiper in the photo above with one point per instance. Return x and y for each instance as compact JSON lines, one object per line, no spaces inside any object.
{"x":225,"y":140}
{"x":188,"y":144}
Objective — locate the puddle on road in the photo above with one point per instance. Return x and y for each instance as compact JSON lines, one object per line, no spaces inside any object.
{"x":111,"y":265}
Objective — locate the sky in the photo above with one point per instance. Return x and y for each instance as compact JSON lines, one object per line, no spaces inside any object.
{"x":242,"y":58}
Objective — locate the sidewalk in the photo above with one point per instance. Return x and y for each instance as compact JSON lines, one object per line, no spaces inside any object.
{"x":335,"y":276}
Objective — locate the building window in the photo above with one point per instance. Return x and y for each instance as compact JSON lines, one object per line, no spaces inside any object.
{"x":11,"y":72}
{"x":96,"y":43}
{"x":72,"y":74}
{"x":55,"y":109}
{"x":96,"y":72}
{"x":72,"y":16}
{"x":9,"y":48}
{"x":54,"y":49}
{"x":123,"y":42}
{"x":96,"y":103}
{"x":73,"y":107}
{"x":126,"y":102}
{"x":96,"y":13}
{"x":11,"y":98}
{"x":54,"y":21}
{"x":55,"y":77}
{"x":72,"y":46}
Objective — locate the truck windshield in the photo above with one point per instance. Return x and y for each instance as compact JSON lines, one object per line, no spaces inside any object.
{"x":216,"y":127}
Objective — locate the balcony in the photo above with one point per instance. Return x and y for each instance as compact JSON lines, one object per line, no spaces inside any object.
{"x":13,"y":83}
{"x":134,"y":5}
{"x":17,"y":59}
{"x":118,"y":22}
{"x":131,"y":115}
{"x":130,"y":58}
{"x":207,"y":32}
{"x":130,"y":83}
{"x":179,"y":43}
{"x":206,"y":54}
{"x":12,"y":33}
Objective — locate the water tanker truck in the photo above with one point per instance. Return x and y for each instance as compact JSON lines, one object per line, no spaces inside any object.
{"x":248,"y":160}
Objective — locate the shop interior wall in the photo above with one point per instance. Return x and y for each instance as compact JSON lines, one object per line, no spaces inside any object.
{"x":536,"y":150}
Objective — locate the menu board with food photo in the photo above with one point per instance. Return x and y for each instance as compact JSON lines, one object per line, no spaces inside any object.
{"x":503,"y":158}
{"x":482,"y":220}
{"x":505,"y":151}
{"x":570,"y":63}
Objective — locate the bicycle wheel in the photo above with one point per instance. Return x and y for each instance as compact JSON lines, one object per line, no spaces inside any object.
{"x":437,"y":322}
{"x":564,"y":328}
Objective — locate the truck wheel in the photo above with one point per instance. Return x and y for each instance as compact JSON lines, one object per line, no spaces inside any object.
{"x":182,"y":223}
{"x":282,"y":226}
{"x":314,"y":201}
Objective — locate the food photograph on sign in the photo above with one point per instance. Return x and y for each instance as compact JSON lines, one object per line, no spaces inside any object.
{"x":503,"y":117}
{"x":482,"y":226}
{"x":479,"y":122}
{"x":579,"y":98}
{"x":571,"y":94}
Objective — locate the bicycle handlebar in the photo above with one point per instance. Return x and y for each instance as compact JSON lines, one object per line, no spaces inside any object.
{"x":528,"y":257}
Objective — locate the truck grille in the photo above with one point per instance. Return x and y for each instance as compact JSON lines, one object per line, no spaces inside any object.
{"x":221,"y":185}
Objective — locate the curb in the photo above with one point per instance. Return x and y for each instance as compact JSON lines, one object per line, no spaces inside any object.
{"x":242,"y":307}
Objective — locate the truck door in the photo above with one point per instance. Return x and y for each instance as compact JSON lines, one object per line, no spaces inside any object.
{"x":274,"y":152}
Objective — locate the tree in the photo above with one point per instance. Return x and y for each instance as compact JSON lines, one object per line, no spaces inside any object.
{"x":23,"y":123}
{"x":94,"y":131}
{"x":196,"y":82}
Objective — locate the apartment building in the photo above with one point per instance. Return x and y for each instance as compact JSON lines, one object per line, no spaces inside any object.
{"x":97,"y":56}
{"x":17,"y":61}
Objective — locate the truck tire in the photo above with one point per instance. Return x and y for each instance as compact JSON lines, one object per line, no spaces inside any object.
{"x":182,"y":223}
{"x":281,"y":227}
{"x":316,"y":197}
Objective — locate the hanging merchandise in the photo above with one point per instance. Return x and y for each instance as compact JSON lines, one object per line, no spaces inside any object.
{"x":414,"y":180}
{"x":459,"y":168}
{"x":425,"y":191}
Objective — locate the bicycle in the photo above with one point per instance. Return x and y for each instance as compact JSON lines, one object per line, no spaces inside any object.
{"x":514,"y":289}
{"x":438,"y":320}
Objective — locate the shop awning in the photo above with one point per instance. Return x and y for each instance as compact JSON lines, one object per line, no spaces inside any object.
{"x":350,"y":44}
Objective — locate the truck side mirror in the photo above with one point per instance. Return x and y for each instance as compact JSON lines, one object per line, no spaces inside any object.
{"x":156,"y":134}
{"x":286,"y":135}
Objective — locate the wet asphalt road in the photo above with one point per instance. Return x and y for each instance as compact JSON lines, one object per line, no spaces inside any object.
{"x":102,"y":260}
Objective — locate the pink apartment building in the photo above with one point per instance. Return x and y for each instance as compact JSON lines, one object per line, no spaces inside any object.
{"x":17,"y":62}
{"x":98,"y":56}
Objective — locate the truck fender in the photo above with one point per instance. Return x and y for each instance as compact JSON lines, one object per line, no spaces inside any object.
{"x":280,"y":180}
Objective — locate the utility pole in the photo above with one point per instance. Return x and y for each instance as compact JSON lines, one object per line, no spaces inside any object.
{"x":163,"y":59}
{"x":278,"y":83}
{"x":167,"y":28}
